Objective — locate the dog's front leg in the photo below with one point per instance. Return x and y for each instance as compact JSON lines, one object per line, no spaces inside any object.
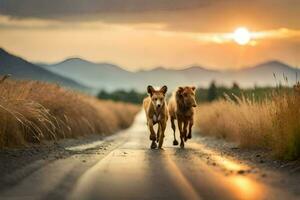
{"x":163,"y":126}
{"x":185,"y":126}
{"x":152,"y":132}
{"x":180,"y":123}
{"x":158,"y":132}
{"x":191,"y":123}
{"x":175,"y":142}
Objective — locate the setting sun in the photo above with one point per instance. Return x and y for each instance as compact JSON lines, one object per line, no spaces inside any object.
{"x":241,"y":36}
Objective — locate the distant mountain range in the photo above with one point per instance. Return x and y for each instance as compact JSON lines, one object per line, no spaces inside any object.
{"x":82,"y":74}
{"x":111,"y":77}
{"x":22,"y":69}
{"x":95,"y":75}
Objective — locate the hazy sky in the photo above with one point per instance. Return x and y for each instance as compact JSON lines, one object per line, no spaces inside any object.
{"x":144,"y":34}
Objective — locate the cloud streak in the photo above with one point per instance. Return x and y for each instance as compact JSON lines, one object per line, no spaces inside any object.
{"x":222,"y":38}
{"x":192,"y":15}
{"x":67,"y":8}
{"x":154,"y":28}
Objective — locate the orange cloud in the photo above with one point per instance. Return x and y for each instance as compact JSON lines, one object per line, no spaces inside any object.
{"x":281,"y":33}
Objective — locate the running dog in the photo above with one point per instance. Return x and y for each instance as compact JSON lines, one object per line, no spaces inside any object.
{"x":181,"y":108}
{"x":156,"y":110}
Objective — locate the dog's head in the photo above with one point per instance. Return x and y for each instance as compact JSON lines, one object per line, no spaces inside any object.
{"x":157,"y":95}
{"x":187,"y":96}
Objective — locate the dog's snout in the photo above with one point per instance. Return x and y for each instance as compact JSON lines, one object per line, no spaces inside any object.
{"x":194,"y":105}
{"x":158,"y":105}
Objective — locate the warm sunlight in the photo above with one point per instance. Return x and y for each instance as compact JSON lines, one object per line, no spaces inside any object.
{"x":241,"y":36}
{"x":161,"y":99}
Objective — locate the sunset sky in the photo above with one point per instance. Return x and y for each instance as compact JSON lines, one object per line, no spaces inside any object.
{"x":143,"y":34}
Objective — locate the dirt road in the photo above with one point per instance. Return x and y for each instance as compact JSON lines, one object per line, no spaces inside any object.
{"x":123,"y":167}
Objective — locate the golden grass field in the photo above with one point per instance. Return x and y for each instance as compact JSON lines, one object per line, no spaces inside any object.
{"x":273,"y":124}
{"x":31,"y":112}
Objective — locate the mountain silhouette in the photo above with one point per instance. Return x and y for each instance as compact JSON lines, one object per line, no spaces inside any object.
{"x":19,"y":68}
{"x":111,"y":77}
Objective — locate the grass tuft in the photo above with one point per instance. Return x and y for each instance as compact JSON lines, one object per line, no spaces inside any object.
{"x":31,"y":112}
{"x":272,"y":124}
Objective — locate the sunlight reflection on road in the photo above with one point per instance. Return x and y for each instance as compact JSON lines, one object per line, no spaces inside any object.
{"x":242,"y":186}
{"x":246,"y":188}
{"x":85,"y":146}
{"x":220,"y":160}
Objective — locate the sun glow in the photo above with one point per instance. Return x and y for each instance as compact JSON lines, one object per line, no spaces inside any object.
{"x":242,"y":36}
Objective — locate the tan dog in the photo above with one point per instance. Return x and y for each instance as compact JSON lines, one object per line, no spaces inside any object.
{"x":156,"y":110}
{"x":181,"y":107}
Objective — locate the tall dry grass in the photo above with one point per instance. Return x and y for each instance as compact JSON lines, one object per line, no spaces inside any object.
{"x":273,"y":124}
{"x":31,"y":112}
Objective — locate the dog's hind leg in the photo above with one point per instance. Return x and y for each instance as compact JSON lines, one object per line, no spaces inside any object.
{"x":175,"y":142}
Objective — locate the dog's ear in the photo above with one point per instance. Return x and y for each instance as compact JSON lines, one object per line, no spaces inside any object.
{"x":150,"y":90}
{"x":179,"y":91}
{"x":193,"y":88}
{"x":164,"y":89}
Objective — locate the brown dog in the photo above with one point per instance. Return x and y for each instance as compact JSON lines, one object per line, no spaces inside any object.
{"x":156,"y":110}
{"x":181,"y":107}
